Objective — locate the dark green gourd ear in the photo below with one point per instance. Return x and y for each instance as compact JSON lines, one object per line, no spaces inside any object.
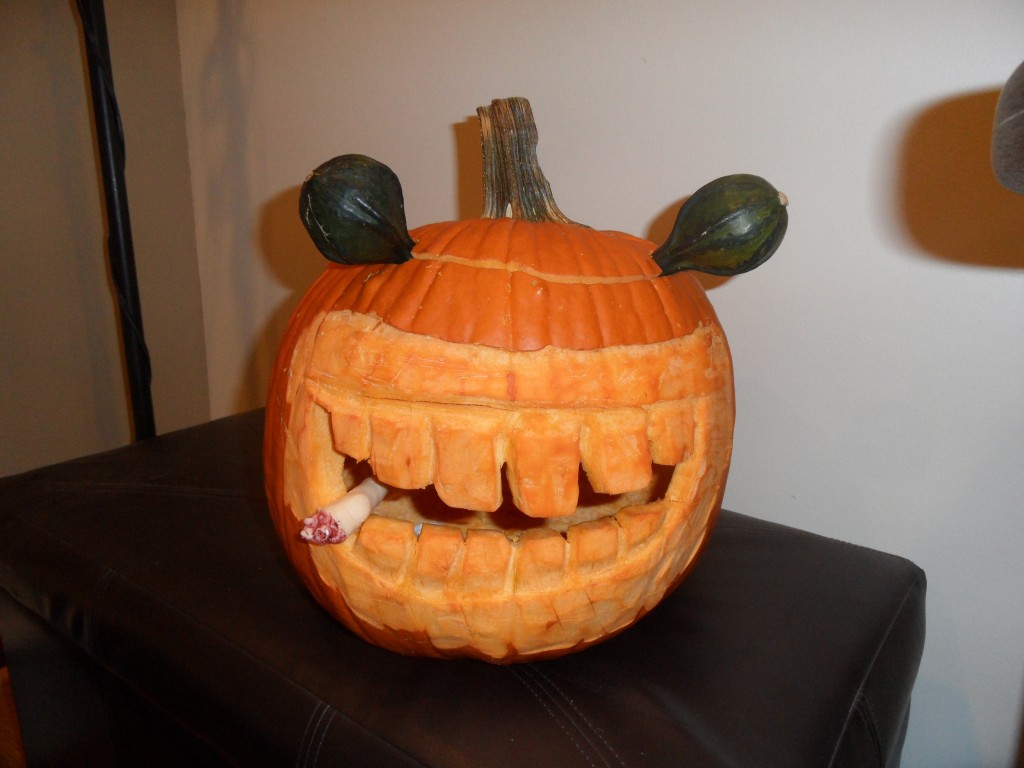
{"x":353,"y":209}
{"x":728,"y":226}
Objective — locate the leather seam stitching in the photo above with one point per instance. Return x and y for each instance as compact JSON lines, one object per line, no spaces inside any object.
{"x":536,"y":688}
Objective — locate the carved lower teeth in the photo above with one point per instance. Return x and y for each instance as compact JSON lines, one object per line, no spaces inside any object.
{"x":464,"y":451}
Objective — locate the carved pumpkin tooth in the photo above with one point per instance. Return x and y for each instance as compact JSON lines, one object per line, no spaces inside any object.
{"x":543,"y":465}
{"x":468,"y":472}
{"x":437,"y":551}
{"x":401,"y":450}
{"x":386,"y":544}
{"x":485,"y":562}
{"x":685,"y":484}
{"x":575,"y":608}
{"x":539,"y":568}
{"x":323,"y":479}
{"x":670,"y":431}
{"x":593,"y":546}
{"x":484,"y":583}
{"x":616,"y":456}
{"x":540,"y":559}
{"x":350,"y":426}
{"x":640,"y":523}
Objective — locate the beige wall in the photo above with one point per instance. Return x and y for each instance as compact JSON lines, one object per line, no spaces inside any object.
{"x":144,"y":48}
{"x":62,"y":387}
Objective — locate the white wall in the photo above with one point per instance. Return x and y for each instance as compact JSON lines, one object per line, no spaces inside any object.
{"x":878,"y":356}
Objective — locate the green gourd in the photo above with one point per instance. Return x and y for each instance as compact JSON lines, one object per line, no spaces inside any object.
{"x":730,"y":225}
{"x":354,"y":211}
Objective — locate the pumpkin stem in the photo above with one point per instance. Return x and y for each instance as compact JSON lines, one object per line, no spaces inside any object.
{"x":512,"y":175}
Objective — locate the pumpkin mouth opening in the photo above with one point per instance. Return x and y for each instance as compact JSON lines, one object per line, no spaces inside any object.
{"x":423,"y":506}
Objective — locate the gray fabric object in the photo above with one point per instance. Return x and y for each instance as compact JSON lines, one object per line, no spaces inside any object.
{"x":1008,"y":134}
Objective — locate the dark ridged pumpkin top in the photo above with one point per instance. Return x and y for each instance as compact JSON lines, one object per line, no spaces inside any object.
{"x":520,"y":286}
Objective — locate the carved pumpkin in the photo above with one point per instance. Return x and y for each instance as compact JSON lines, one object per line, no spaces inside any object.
{"x":550,"y":407}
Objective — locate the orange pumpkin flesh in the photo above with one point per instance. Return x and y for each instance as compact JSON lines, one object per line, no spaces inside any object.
{"x":487,"y":370}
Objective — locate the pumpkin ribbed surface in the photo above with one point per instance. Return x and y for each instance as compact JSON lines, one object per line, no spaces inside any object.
{"x":521,"y":286}
{"x":574,"y":252}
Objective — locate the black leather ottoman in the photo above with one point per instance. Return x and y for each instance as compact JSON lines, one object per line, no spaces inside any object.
{"x":149,"y":618}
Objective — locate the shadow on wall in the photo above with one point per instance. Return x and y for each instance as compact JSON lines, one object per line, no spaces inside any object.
{"x":951,"y":204}
{"x":295,"y":263}
{"x":286,"y":246}
{"x":660,"y":229}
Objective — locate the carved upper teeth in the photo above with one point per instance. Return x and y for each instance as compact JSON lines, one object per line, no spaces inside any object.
{"x":424,"y":411}
{"x":460,"y":450}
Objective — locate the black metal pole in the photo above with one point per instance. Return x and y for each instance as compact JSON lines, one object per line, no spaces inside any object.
{"x":110,"y":139}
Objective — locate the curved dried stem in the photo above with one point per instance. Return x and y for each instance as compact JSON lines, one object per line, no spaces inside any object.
{"x":513,"y":181}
